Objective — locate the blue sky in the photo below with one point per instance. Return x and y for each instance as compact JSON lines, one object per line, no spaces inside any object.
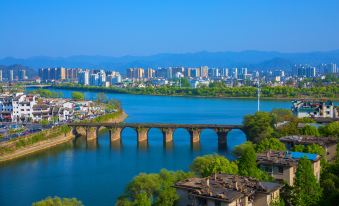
{"x":144,"y":27}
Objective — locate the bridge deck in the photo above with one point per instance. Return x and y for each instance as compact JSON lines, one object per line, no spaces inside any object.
{"x":157,"y":125}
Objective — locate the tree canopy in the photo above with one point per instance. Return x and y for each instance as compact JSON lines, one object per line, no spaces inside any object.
{"x":57,"y":201}
{"x":78,"y":96}
{"x":153,"y":189}
{"x":306,"y":190}
{"x":211,"y":164}
{"x":247,"y":162}
{"x":258,"y":126}
{"x":270,"y":144}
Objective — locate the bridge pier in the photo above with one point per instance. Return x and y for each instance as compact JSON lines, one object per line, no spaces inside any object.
{"x":195,"y":135}
{"x":91,"y":133}
{"x":115,"y":134}
{"x":142,"y":134}
{"x":167,"y":135}
{"x":222,"y":138}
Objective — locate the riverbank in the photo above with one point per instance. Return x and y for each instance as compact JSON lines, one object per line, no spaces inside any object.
{"x":269,"y":93}
{"x":48,"y":138}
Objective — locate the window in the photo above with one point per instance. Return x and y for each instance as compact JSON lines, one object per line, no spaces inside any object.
{"x":217,"y":203}
{"x":280,"y":169}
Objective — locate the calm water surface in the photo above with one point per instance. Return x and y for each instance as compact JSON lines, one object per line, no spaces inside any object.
{"x":98,"y":173}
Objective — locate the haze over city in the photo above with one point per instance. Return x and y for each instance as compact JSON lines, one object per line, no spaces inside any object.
{"x":118,"y":28}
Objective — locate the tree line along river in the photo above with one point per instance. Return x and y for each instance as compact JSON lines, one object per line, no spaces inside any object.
{"x":98,"y":173}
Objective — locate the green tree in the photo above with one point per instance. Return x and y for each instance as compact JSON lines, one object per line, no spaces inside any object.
{"x":298,"y":148}
{"x":101,"y":98}
{"x":310,"y":130}
{"x":57,"y":201}
{"x":247,"y":162}
{"x":185,"y":82}
{"x":258,"y":126}
{"x":78,"y":96}
{"x":281,"y":115}
{"x":331,"y":129}
{"x":152,"y":189}
{"x":207,"y":165}
{"x":270,"y":144}
{"x":306,"y":189}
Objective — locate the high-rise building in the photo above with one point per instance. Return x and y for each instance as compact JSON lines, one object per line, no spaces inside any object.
{"x":224,"y":72}
{"x":11,"y":76}
{"x":169,"y":73}
{"x":101,"y":78}
{"x":195,"y":72}
{"x":150,"y":73}
{"x":0,"y":75}
{"x":83,"y":77}
{"x":52,"y":74}
{"x":187,"y":72}
{"x":331,"y":69}
{"x":235,"y":73}
{"x":22,"y":74}
{"x":72,"y":74}
{"x":139,"y":73}
{"x":204,"y":71}
{"x":304,"y":71}
{"x":176,"y":71}
{"x":129,"y":73}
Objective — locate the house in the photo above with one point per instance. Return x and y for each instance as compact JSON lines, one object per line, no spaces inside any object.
{"x":6,"y":108}
{"x":314,"y":108}
{"x":328,"y":143}
{"x":226,"y":190}
{"x":282,"y":165}
{"x":23,"y":107}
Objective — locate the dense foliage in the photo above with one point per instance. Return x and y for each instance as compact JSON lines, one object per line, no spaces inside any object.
{"x":219,"y":90}
{"x":247,"y":162}
{"x":331,"y":129}
{"x":153,"y":189}
{"x":47,"y":93}
{"x":207,"y":165}
{"x":306,"y":190}
{"x":270,"y":144}
{"x":78,"y":96}
{"x":57,"y":201}
{"x":258,"y":126}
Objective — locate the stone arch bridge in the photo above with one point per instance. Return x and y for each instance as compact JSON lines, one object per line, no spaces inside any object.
{"x":115,"y":130}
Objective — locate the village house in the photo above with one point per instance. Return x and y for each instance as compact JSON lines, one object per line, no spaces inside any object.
{"x":282,"y":165}
{"x":226,"y":190}
{"x":328,"y":143}
{"x":315,"y":109}
{"x":22,"y":107}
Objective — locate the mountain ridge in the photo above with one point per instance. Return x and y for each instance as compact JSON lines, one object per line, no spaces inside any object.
{"x":251,"y":58}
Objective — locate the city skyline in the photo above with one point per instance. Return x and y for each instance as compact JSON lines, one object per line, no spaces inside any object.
{"x":66,"y":28}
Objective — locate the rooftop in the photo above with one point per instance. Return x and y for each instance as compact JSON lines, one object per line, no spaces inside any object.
{"x":226,"y":188}
{"x":284,"y":158}
{"x":296,"y":139}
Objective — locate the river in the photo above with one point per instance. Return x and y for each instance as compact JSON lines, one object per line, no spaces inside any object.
{"x":98,"y":173}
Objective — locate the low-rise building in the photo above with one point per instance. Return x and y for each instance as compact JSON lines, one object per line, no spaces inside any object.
{"x":328,"y":143}
{"x":226,"y":190}
{"x":23,"y":107}
{"x":315,"y":109}
{"x":282,"y":165}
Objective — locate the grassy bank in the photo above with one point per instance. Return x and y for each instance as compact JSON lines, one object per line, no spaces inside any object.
{"x":32,"y":139}
{"x":106,"y":117}
{"x":280,"y":92}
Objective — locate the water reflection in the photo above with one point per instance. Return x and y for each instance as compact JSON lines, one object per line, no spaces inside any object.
{"x":116,"y":145}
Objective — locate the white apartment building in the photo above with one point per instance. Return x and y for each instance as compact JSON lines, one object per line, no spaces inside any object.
{"x":23,"y":107}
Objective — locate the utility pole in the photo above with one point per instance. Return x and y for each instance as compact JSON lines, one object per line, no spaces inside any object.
{"x":258,"y":91}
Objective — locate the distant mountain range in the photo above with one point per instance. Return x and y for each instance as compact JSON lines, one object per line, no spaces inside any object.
{"x":251,"y":59}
